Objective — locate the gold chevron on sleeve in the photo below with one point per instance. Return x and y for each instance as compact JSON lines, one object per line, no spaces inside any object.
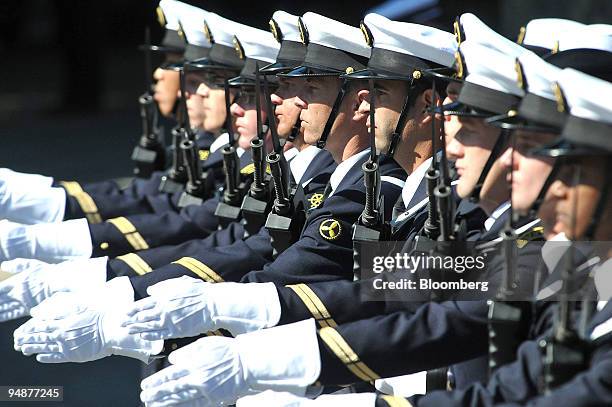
{"x":85,"y":201}
{"x":394,"y":401}
{"x":136,"y":263}
{"x":199,"y":268}
{"x":132,"y":235}
{"x":314,"y":304}
{"x":346,"y":354}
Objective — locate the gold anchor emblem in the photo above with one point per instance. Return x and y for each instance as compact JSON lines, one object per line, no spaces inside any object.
{"x":330,"y":229}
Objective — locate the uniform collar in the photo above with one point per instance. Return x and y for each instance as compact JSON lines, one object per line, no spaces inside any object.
{"x":499,"y":211}
{"x":221,"y":141}
{"x":301,"y":161}
{"x":343,"y":168}
{"x":413,"y":181}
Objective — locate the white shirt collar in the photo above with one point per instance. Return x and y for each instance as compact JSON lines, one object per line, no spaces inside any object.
{"x":499,"y":211}
{"x":413,"y":181}
{"x":219,"y":142}
{"x":291,"y":154}
{"x":343,"y":168}
{"x":301,"y":161}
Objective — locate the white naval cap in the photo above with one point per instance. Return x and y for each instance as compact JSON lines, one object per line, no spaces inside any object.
{"x":220,"y":32}
{"x":427,"y":43}
{"x":581,"y":93}
{"x":333,"y":34}
{"x":167,"y":14}
{"x":491,"y":82}
{"x":490,"y":68}
{"x":332,"y":47}
{"x":541,"y":34}
{"x":597,"y":36}
{"x":256,"y":44}
{"x":471,"y":28}
{"x":192,"y":20}
{"x":536,"y":77}
{"x":284,"y":26}
{"x":590,"y":120}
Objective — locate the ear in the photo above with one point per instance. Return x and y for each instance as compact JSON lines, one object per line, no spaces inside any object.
{"x":425,"y":104}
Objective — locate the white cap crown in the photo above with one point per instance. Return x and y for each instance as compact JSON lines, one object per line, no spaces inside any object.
{"x":192,"y":20}
{"x":583,"y":95}
{"x":287,"y":24}
{"x":334,"y":34}
{"x":544,"y":32}
{"x":421,"y":41}
{"x":258,"y":44}
{"x":539,"y":75}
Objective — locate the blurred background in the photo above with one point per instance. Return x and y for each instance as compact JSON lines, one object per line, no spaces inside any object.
{"x":69,"y":81}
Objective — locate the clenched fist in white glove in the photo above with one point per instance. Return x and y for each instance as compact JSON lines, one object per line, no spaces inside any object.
{"x":183,"y":307}
{"x":30,"y":198}
{"x":32,"y":285}
{"x":50,"y":242}
{"x":216,"y":370}
{"x":70,"y":327}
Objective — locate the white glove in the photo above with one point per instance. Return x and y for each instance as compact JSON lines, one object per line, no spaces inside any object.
{"x":28,"y":288}
{"x":217,"y":370}
{"x":29,"y":198}
{"x":70,"y":327}
{"x":50,"y":242}
{"x":283,"y":399}
{"x":183,"y":307}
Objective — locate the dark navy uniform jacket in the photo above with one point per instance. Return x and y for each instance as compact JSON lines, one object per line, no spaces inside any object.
{"x":323,"y":252}
{"x":105,"y":200}
{"x":519,"y":383}
{"x":314,"y":179}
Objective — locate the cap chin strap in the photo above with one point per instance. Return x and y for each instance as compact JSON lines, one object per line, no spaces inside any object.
{"x":533,"y":212}
{"x":332,"y":115}
{"x":295,"y":130}
{"x":495,"y":153}
{"x":601,"y":205}
{"x":396,"y":136}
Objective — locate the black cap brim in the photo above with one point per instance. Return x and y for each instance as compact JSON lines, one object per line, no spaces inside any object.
{"x":305,"y":71}
{"x":369,"y":73}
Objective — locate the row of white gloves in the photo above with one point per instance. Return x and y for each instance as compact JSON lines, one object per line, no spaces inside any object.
{"x":69,"y":327}
{"x":30,"y":198}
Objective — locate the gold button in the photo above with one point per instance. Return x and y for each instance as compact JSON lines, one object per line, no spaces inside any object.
{"x":104,"y":245}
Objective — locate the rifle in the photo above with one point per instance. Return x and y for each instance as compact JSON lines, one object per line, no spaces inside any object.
{"x":176,"y":178}
{"x":506,"y":318}
{"x":285,"y":221}
{"x":228,"y":210}
{"x":370,"y":226}
{"x":149,"y":154}
{"x":565,"y":352}
{"x":256,"y":204}
{"x":196,"y":190}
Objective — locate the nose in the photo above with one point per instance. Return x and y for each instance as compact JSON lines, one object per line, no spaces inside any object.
{"x":236,"y":110}
{"x":158,"y":75}
{"x":202,"y":90}
{"x":454,"y":149}
{"x":300,"y":103}
{"x":506,"y":158}
{"x":276,"y":100}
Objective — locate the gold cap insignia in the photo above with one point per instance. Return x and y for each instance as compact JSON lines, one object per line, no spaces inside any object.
{"x":349,"y":69}
{"x":459,"y":67}
{"x":315,"y":200}
{"x":555,"y":48}
{"x":181,"y":32}
{"x":520,"y":74}
{"x":416,"y":74}
{"x":561,"y":103}
{"x":330,"y":229}
{"x":521,"y":35}
{"x":161,"y":18}
{"x":303,"y":31}
{"x":459,"y":35}
{"x":275,"y":30}
{"x":238,"y":47}
{"x":208,"y":33}
{"x":367,"y":34}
